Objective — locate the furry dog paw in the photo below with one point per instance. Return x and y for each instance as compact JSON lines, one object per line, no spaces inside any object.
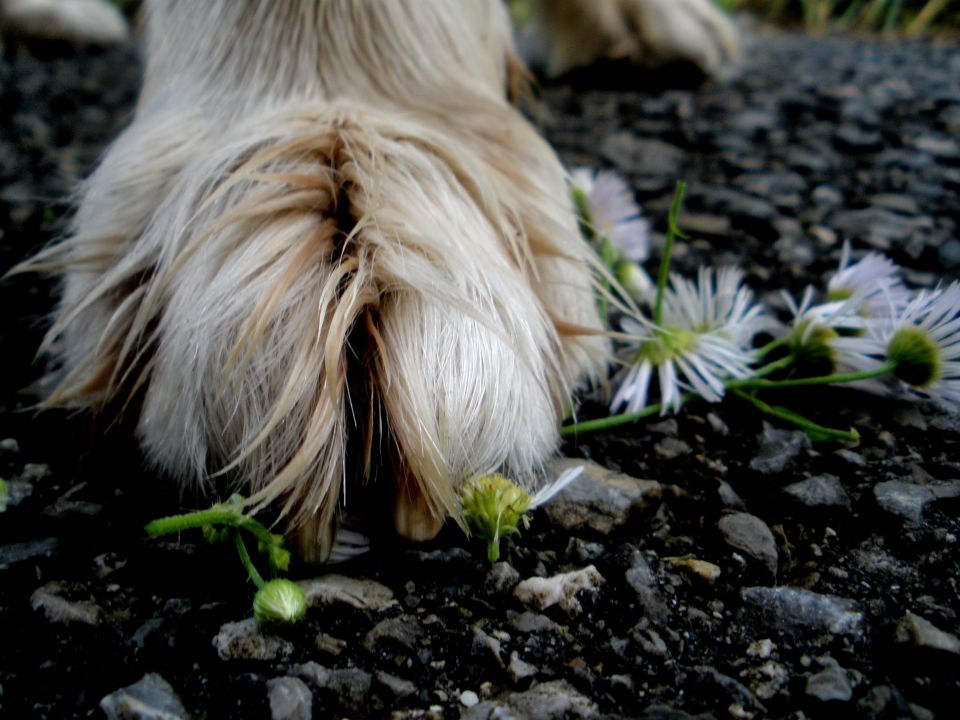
{"x":328,"y":260}
{"x":647,"y":32}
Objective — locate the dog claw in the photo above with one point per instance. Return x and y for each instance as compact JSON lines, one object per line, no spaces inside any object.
{"x":313,"y":541}
{"x":412,"y":517}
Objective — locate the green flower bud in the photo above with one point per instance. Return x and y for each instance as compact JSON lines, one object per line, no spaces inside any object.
{"x":279,"y":601}
{"x":4,"y":495}
{"x":493,"y":507}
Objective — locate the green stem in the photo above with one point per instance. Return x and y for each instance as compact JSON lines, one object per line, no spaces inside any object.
{"x":772,"y":345}
{"x":614,"y":420}
{"x":838,"y":379}
{"x":245,"y":559}
{"x":191,"y":521}
{"x":673,"y":231}
{"x":815,"y":431}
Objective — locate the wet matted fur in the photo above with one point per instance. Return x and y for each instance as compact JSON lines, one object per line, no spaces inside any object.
{"x":328,"y":250}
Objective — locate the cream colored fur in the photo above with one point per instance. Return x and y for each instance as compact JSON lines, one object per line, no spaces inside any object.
{"x":327,"y":251}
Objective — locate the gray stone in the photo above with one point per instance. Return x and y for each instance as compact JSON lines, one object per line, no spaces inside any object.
{"x":778,"y":448}
{"x":884,"y":701}
{"x":950,"y":254}
{"x":9,"y":446}
{"x":831,"y":684}
{"x":879,"y":227}
{"x":58,"y":609}
{"x":351,"y":685}
{"x":520,"y":670}
{"x":561,"y":589}
{"x":530,"y":622}
{"x":290,"y":699}
{"x":642,"y":156}
{"x":150,"y":698}
{"x":641,"y":578}
{"x":915,"y":630}
{"x":903,"y":499}
{"x":671,"y":448}
{"x":15,"y":553}
{"x":600,"y":499}
{"x":501,"y":579}
{"x":359,"y":592}
{"x":822,"y":492}
{"x":243,"y":641}
{"x":403,"y":630}
{"x":663,"y":712}
{"x":790,"y":609}
{"x":398,"y":686}
{"x":556,"y":700}
{"x":750,"y":535}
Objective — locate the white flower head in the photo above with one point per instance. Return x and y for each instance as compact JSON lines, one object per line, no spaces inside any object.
{"x":704,"y":339}
{"x":923,"y":340}
{"x":872,"y":284}
{"x":834,"y":334}
{"x":613,"y":212}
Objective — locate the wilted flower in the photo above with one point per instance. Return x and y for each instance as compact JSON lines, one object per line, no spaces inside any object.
{"x":279,"y":601}
{"x":872,"y":285}
{"x":613,"y":213}
{"x":923,"y":340}
{"x":703,"y":340}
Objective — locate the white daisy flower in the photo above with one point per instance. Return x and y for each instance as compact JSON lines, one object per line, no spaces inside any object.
{"x":704,"y":339}
{"x":613,"y":212}
{"x":831,"y":333}
{"x":923,"y":340}
{"x":873,"y":284}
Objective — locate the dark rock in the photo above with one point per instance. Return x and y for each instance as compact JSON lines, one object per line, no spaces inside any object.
{"x":643,"y":156}
{"x":556,"y":700}
{"x":290,"y":699}
{"x":750,"y":535}
{"x":822,"y":491}
{"x":903,"y":499}
{"x":831,"y":684}
{"x":403,"y":631}
{"x":789,"y":609}
{"x":150,"y":698}
{"x":244,"y":641}
{"x":877,"y":227}
{"x":855,"y":140}
{"x":919,"y":632}
{"x":11,"y":555}
{"x":501,"y":579}
{"x":778,"y":448}
{"x":398,"y":686}
{"x":600,"y":499}
{"x":642,"y":579}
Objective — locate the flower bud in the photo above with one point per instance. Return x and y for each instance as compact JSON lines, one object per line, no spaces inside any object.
{"x":279,"y":601}
{"x":493,"y":507}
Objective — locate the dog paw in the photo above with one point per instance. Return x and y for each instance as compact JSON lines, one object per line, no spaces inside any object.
{"x":77,"y":22}
{"x":692,"y":30}
{"x":647,"y":32}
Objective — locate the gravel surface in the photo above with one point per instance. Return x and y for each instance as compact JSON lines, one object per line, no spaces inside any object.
{"x":710,"y":566}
